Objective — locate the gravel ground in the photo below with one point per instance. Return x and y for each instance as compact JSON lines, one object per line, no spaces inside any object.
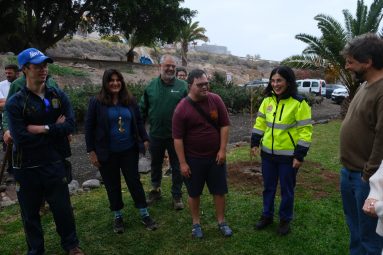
{"x":241,"y":125}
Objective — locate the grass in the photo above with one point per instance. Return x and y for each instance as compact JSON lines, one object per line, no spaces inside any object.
{"x":318,"y":227}
{"x":65,"y":71}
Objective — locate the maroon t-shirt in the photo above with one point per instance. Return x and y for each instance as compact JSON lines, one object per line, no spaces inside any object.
{"x":200,"y":138}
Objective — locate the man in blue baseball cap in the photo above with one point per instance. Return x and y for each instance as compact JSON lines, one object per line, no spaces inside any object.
{"x":32,"y":56}
{"x":40,"y":119}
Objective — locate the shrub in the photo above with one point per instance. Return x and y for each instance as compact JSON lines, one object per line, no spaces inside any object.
{"x":79,"y":97}
{"x":63,"y":71}
{"x":236,"y":98}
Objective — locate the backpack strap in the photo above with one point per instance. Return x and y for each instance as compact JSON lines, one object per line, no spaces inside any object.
{"x":203,"y":113}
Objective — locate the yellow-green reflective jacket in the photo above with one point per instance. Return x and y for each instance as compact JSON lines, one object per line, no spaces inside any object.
{"x":283,"y":128}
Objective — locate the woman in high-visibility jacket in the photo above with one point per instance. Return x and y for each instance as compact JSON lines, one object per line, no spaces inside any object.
{"x":282,"y":131}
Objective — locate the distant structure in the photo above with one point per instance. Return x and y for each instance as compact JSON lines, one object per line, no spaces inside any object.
{"x":212,"y":49}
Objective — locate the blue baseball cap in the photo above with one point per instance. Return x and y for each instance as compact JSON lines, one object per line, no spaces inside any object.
{"x":33,"y":56}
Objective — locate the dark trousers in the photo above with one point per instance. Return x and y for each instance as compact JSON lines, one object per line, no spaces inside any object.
{"x":127,"y":162}
{"x":271,"y":172}
{"x":157,"y":152}
{"x":32,"y":186}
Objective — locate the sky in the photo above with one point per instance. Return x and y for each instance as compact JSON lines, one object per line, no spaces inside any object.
{"x":264,"y":27}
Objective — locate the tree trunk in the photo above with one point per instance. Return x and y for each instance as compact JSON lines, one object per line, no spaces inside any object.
{"x":184,"y":54}
{"x":130,"y":56}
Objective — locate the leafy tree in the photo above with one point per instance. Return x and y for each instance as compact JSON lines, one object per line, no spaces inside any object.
{"x":146,"y":22}
{"x":323,"y":52}
{"x":190,"y":33}
{"x":42,"y":23}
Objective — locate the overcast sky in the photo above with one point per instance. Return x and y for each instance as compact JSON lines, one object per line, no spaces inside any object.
{"x":264,"y":27}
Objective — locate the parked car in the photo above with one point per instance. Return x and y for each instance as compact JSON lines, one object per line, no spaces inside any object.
{"x":256,"y":84}
{"x":331,"y":87}
{"x":339,"y":95}
{"x":315,"y":86}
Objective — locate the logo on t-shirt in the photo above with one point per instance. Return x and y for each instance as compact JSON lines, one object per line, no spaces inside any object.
{"x":269,"y":108}
{"x":214,"y":115}
{"x":174,"y":91}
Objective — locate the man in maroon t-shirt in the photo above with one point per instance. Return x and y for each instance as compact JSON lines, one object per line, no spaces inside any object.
{"x":200,"y":133}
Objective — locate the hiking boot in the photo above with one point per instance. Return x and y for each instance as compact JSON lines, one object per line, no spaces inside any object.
{"x":168,"y":173}
{"x":263,"y":222}
{"x":284,"y":228}
{"x":76,"y":251}
{"x":118,"y":225}
{"x":197,"y":231}
{"x":149,"y":223}
{"x":153,"y":196}
{"x":178,"y":204}
{"x":225,"y":229}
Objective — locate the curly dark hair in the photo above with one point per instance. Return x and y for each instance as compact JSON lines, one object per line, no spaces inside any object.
{"x":365,"y":47}
{"x":288,"y":74}
{"x":125,"y":97}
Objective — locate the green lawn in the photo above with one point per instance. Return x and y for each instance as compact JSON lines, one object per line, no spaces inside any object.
{"x":318,"y":227}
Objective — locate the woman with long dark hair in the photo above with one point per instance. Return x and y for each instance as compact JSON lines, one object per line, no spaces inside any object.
{"x":282,"y":131}
{"x":114,"y":134}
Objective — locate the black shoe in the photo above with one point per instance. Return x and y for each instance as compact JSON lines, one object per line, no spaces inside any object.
{"x":284,"y":228}
{"x":118,"y":225}
{"x":263,"y":222}
{"x":153,"y":196}
{"x":149,"y":223}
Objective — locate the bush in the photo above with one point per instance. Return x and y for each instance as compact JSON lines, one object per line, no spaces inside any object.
{"x":79,"y":97}
{"x":63,"y":71}
{"x":236,"y":98}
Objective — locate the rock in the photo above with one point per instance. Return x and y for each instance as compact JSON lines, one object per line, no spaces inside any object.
{"x":144,"y":165}
{"x":91,"y":184}
{"x":5,"y":203}
{"x":321,"y":122}
{"x":73,"y":187}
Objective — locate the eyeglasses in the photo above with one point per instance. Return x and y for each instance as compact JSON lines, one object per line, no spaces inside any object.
{"x":200,"y":85}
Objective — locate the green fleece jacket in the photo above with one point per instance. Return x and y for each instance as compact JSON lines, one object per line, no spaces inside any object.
{"x":15,"y":87}
{"x":158,"y":103}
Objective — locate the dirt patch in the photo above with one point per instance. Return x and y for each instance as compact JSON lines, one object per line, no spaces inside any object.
{"x":320,"y":183}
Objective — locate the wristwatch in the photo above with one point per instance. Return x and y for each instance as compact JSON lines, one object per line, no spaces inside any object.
{"x":46,"y":128}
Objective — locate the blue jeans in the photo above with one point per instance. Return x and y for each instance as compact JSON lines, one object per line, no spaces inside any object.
{"x":271,"y":172}
{"x":363,"y":236}
{"x":157,"y":152}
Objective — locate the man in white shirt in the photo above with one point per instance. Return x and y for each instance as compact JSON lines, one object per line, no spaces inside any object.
{"x":11,"y":73}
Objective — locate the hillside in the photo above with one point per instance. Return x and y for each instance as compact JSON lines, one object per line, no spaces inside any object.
{"x":113,"y":55}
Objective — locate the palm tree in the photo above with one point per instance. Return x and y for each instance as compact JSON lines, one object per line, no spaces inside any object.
{"x":324,"y":52}
{"x":190,"y":33}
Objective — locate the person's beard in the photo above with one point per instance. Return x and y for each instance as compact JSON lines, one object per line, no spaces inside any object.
{"x":168,"y":76}
{"x":359,"y":76}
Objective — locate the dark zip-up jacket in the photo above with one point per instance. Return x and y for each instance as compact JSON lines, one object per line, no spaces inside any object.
{"x":97,"y":130}
{"x":26,"y":108}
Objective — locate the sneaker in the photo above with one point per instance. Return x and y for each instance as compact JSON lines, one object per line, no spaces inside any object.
{"x":178,"y":204}
{"x":284,"y":228}
{"x":225,"y":229}
{"x":149,"y":223}
{"x":263,"y":222}
{"x":168,"y":173}
{"x":153,"y":196}
{"x":76,"y":251}
{"x":197,"y":231}
{"x":118,"y":225}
